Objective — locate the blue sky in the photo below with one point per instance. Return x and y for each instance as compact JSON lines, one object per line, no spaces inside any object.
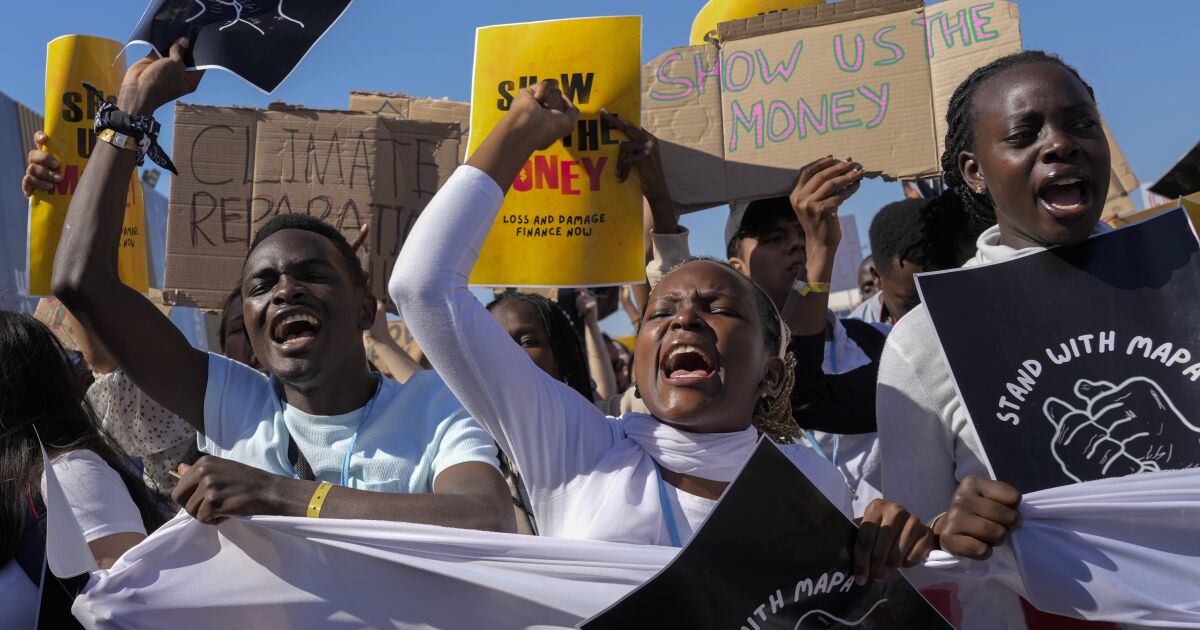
{"x":1140,"y":58}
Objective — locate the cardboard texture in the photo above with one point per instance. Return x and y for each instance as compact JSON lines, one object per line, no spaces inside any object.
{"x":863,"y":78}
{"x":1121,"y":184}
{"x":238,"y":167}
{"x":417,"y":108}
{"x":1190,"y":203}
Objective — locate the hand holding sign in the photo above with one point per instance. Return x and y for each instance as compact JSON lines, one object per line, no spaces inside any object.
{"x":154,"y":81}
{"x":43,"y":170}
{"x":543,"y":113}
{"x":1119,"y":430}
{"x":819,"y":192}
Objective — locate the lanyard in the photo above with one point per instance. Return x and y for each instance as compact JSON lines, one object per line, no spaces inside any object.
{"x":366,"y":416}
{"x":668,"y":513}
{"x":812,"y":442}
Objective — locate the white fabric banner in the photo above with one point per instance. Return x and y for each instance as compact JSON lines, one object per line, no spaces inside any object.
{"x":1123,"y":550}
{"x":279,"y":572}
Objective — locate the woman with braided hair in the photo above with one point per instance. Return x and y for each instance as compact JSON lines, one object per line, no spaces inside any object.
{"x":1025,"y":154}
{"x":543,"y":330}
{"x":709,"y":352}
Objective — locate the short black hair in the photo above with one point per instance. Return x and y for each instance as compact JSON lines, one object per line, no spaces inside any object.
{"x":896,"y":232}
{"x":960,"y":126}
{"x":304,"y":222}
{"x":761,"y":215}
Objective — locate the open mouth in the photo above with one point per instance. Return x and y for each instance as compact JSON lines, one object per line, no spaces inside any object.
{"x":1065,"y":197}
{"x":295,"y":329}
{"x":687,"y":364}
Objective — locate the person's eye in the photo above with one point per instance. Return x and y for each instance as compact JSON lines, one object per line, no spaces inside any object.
{"x":724,"y":310}
{"x":259,"y":288}
{"x":528,"y":342}
{"x":1021,"y":137}
{"x":1087,"y":124}
{"x":660,"y":313}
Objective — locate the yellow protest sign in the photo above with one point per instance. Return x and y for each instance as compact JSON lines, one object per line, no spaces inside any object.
{"x":566,"y":221}
{"x":70,"y":60}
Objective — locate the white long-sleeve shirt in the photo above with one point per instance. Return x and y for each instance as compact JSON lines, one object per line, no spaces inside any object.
{"x":587,"y":478}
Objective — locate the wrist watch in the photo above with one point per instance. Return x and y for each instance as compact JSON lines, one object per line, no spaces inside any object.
{"x":804,"y":287}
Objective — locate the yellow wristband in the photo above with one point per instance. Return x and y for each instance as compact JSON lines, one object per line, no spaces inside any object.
{"x":318,"y":499}
{"x":119,"y":140}
{"x":804,"y":288}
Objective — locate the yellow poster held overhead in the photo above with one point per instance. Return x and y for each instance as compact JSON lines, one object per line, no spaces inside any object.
{"x":566,"y":221}
{"x":70,"y":60}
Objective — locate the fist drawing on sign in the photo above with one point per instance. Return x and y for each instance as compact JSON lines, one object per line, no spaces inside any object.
{"x":1117,"y":430}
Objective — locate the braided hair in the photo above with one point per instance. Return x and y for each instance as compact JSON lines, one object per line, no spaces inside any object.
{"x":960,"y":127}
{"x":565,"y":344}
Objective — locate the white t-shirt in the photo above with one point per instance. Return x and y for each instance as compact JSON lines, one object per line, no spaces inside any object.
{"x":414,"y":432}
{"x":101,"y":504}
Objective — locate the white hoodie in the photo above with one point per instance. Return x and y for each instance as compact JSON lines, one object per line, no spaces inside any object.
{"x":928,"y":445}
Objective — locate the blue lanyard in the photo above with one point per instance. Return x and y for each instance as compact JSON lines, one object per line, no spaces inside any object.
{"x":668,"y":513}
{"x":812,"y":442}
{"x":366,"y":416}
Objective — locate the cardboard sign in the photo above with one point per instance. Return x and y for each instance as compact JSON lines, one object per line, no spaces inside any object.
{"x":417,"y":108}
{"x":70,"y":111}
{"x":261,"y":42}
{"x":238,"y":167}
{"x":566,"y":221}
{"x":1093,"y":358}
{"x":775,"y":553}
{"x":867,"y":79}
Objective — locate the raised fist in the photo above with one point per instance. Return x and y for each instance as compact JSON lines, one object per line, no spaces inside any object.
{"x":1120,"y":430}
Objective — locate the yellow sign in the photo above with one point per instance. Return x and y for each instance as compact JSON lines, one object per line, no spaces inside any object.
{"x":566,"y":221}
{"x":70,"y":60}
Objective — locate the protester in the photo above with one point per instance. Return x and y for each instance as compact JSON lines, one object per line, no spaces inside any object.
{"x":909,"y":237}
{"x":867,"y":285}
{"x":710,"y":357}
{"x":896,"y":247}
{"x":622,"y":362}
{"x":600,"y":364}
{"x":42,"y":405}
{"x":1024,"y":152}
{"x":231,"y":333}
{"x":836,"y":361}
{"x":396,"y":452}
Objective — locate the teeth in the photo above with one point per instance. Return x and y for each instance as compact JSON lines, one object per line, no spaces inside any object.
{"x":682,"y":349}
{"x":298,"y":317}
{"x":1066,"y":181}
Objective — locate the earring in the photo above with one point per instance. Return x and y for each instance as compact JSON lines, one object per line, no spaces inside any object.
{"x":979,"y":188}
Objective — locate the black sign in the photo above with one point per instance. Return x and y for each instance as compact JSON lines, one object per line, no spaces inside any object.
{"x":261,"y":41}
{"x":1079,"y":362}
{"x":775,"y":553}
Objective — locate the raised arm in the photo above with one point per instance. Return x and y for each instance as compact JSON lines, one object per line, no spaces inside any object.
{"x":143,"y":341}
{"x":600,"y":366}
{"x":820,"y":190}
{"x":551,"y":431}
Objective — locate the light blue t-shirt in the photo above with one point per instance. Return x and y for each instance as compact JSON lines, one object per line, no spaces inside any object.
{"x":415,"y":431}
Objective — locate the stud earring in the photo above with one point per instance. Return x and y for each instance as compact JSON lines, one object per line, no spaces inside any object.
{"x":979,"y":189}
